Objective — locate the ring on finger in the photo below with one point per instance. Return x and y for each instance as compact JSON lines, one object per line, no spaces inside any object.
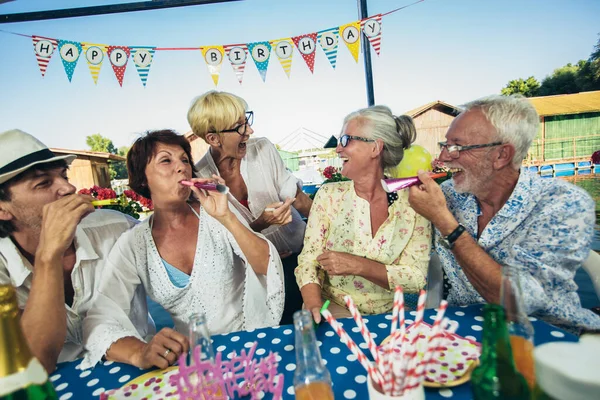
{"x":166,"y":353}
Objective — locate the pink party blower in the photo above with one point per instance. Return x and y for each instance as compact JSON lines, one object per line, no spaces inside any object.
{"x":207,"y":186}
{"x":393,"y":185}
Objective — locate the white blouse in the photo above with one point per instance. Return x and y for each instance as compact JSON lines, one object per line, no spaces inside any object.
{"x":268,"y":181}
{"x":222,"y":285}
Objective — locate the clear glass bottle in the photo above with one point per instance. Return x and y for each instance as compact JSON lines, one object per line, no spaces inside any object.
{"x":311,"y":379}
{"x":200,"y":336}
{"x":520,"y":329}
{"x":22,"y":376}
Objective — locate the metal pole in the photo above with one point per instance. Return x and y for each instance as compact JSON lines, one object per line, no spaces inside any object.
{"x":366,"y":47}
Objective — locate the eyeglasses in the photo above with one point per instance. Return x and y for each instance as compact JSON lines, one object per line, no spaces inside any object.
{"x":455,"y":149}
{"x":345,"y":139}
{"x":241,"y":128}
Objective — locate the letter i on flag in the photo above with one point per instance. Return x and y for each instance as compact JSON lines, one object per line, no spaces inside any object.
{"x":237,"y":55}
{"x":94,"y":54}
{"x":260,"y":52}
{"x":329,"y":39}
{"x":142,"y":58}
{"x":118,"y":56}
{"x":307,"y":45}
{"x":371,"y":27}
{"x":284,"y":49}
{"x":213,"y":55}
{"x":44,"y":48}
{"x":351,"y":36}
{"x":69,"y":53}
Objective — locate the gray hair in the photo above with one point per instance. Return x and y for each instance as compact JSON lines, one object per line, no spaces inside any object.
{"x":397,"y":133}
{"x":515,"y":119}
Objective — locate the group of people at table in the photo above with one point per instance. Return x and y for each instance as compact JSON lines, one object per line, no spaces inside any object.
{"x":247,"y":259}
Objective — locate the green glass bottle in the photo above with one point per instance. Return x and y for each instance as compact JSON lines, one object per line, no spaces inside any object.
{"x":22,"y":377}
{"x":496,"y":377}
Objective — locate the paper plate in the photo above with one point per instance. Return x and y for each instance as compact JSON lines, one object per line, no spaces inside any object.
{"x":152,"y":385}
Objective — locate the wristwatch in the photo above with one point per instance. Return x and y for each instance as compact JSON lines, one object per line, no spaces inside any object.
{"x":448,"y":241}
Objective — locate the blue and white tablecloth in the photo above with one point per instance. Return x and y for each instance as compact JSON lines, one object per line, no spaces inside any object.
{"x":349,"y":378}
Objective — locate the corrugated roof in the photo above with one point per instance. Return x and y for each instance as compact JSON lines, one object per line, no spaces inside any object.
{"x":567,"y":103}
{"x":89,"y":153}
{"x":420,"y":110}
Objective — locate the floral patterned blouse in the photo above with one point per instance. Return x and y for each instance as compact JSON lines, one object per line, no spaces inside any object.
{"x":340,"y":221}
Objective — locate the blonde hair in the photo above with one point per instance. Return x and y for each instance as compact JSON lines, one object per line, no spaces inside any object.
{"x":214,"y":112}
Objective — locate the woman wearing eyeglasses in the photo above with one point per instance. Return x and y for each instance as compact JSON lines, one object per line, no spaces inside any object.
{"x":361,"y":241}
{"x":262,"y":190}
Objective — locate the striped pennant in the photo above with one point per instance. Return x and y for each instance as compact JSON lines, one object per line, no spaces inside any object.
{"x":371,"y":28}
{"x":284,"y":49}
{"x":329,"y":39}
{"x":94,"y":54}
{"x":69,"y":53}
{"x":44,"y":48}
{"x":237,"y":55}
{"x":213,"y":55}
{"x":142,"y":57}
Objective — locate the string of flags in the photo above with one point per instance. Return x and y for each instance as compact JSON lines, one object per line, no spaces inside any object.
{"x":237,"y":55}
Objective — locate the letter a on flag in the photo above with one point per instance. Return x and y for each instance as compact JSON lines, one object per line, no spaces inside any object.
{"x":69,"y":53}
{"x":350,"y":34}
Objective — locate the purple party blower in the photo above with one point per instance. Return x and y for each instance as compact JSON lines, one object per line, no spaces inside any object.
{"x":395,"y":184}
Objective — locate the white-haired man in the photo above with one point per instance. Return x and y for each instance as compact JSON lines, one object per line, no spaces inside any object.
{"x":493,"y":213}
{"x":52,"y":246}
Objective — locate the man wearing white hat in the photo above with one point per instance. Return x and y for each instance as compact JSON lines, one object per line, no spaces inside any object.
{"x":52,"y":246}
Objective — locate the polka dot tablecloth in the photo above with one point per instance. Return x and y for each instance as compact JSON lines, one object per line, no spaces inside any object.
{"x":349,"y":379}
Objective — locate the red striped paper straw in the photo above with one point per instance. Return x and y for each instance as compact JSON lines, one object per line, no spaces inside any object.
{"x":398,"y":308}
{"x":347,"y":340}
{"x":364,"y":331}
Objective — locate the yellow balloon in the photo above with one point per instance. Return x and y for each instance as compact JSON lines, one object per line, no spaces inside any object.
{"x":415,"y":158}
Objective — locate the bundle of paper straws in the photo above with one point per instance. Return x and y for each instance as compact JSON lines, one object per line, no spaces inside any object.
{"x":397,"y":369}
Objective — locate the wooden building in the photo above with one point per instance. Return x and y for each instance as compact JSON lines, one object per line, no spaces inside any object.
{"x":432,"y":121}
{"x":89,"y":168}
{"x":199,"y":146}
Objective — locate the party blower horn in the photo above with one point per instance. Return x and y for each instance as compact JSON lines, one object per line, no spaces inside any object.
{"x":395,"y":184}
{"x":208,"y":186}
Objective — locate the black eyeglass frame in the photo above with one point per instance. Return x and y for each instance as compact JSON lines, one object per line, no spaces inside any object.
{"x":249,"y":121}
{"x":458,"y":148}
{"x":345,"y":139}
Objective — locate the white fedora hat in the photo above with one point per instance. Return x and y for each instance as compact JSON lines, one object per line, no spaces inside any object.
{"x":19,"y":151}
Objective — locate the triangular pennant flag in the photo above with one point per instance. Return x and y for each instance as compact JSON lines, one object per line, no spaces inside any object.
{"x":307,"y":45}
{"x":328,"y":39}
{"x":142,"y":58}
{"x":371,"y":27}
{"x":237,"y":55}
{"x":94,"y":54}
{"x":213,"y":55}
{"x":284,"y":49}
{"x":69,"y":53}
{"x":350,"y":34}
{"x":260,"y":52}
{"x":118,"y":56}
{"x":44,"y":48}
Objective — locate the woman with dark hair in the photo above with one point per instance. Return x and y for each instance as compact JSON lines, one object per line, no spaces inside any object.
{"x":360,"y":240}
{"x":192,"y":255}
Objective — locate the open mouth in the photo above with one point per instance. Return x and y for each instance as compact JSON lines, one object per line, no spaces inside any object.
{"x":344,"y":160}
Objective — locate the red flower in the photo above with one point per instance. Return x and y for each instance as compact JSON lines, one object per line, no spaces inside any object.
{"x":328,"y":172}
{"x":596,"y":157}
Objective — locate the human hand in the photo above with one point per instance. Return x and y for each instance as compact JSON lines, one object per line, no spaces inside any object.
{"x":427,"y":199}
{"x":163,"y":350}
{"x":215,"y":203}
{"x":59,"y":222}
{"x":278,"y":213}
{"x":338,"y":263}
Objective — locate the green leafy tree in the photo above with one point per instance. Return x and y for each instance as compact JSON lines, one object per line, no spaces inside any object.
{"x":527,"y":87}
{"x":562,"y":81}
{"x":117,"y":169}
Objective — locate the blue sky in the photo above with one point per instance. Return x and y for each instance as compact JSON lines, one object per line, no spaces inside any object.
{"x":451,"y":50}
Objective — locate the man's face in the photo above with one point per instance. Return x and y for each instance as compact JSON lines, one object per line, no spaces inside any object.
{"x":30,"y":194}
{"x":475,"y":167}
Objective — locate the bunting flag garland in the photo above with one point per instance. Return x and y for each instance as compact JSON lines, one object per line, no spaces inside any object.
{"x":44,"y":48}
{"x":118,"y":56}
{"x":328,"y":39}
{"x":237,"y":55}
{"x":260,"y":52}
{"x":307,"y":45}
{"x":69,"y":53}
{"x":284,"y":49}
{"x":351,"y":36}
{"x":94,"y":54}
{"x":213,"y":55}
{"x":142,"y":57}
{"x":371,"y":27}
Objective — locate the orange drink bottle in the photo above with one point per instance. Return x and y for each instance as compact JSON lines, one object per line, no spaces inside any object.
{"x":519,"y":326}
{"x":312,"y":380}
